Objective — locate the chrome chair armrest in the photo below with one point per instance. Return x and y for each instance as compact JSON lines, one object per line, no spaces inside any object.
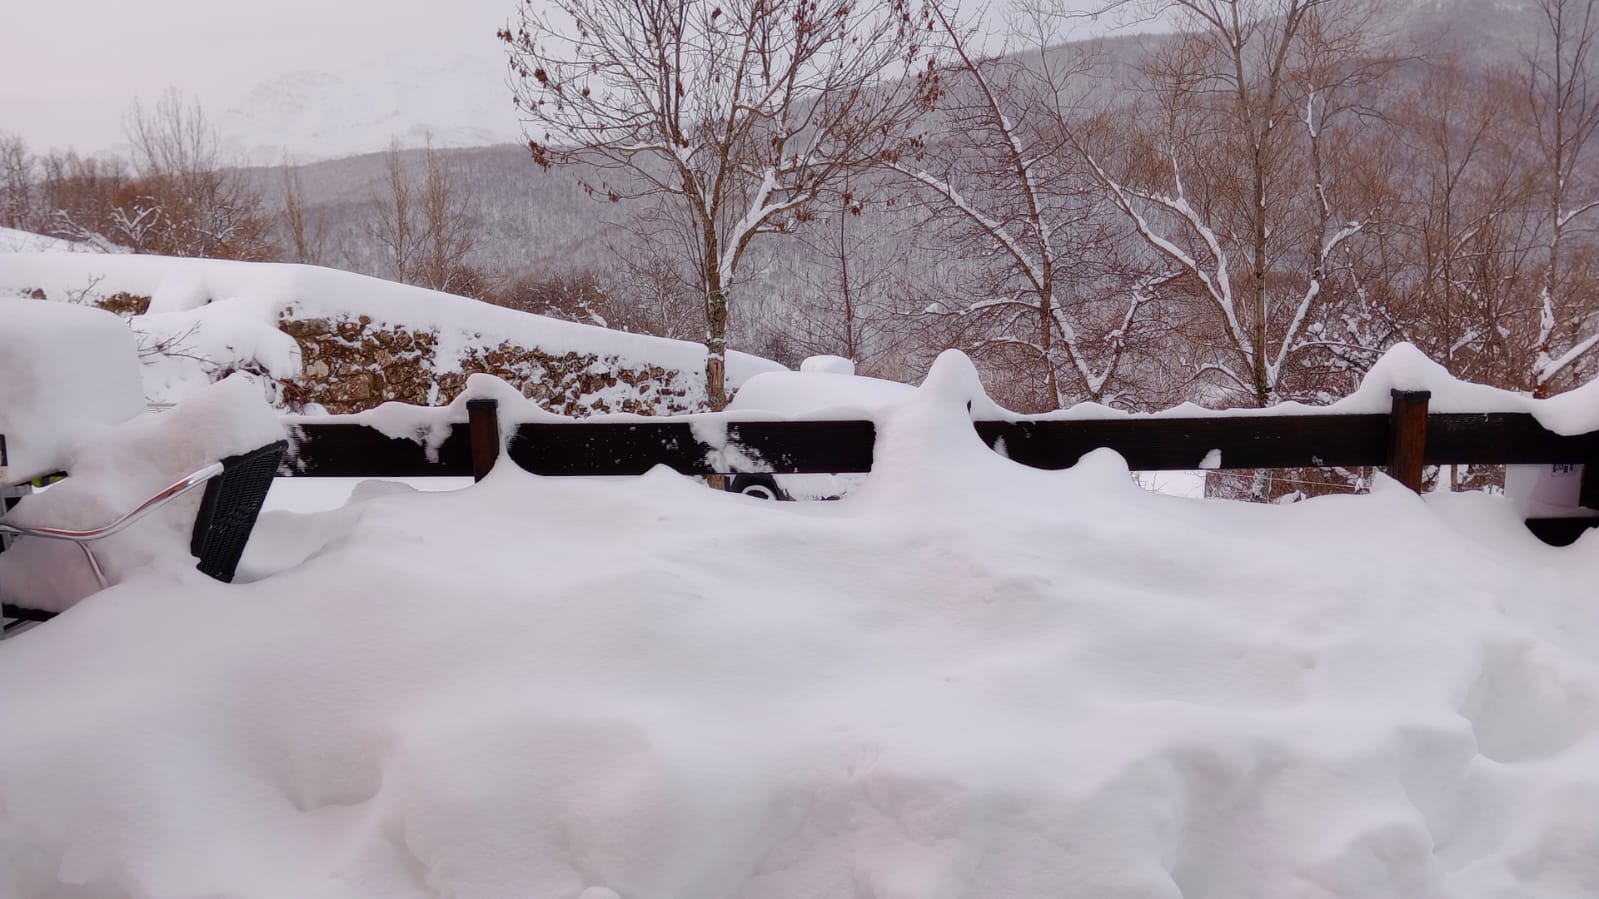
{"x":84,"y":537}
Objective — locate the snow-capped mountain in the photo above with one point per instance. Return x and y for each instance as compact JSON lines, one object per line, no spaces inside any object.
{"x":309,"y":115}
{"x":461,"y":97}
{"x":1491,"y":30}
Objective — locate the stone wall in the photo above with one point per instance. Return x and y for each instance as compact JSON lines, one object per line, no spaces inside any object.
{"x":350,"y":364}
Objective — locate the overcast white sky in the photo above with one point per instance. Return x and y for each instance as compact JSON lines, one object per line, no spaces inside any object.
{"x":72,"y":68}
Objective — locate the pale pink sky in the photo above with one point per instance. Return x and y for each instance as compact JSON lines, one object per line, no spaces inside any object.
{"x":71,"y":70}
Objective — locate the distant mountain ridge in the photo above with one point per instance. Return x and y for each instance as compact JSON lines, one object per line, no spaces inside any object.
{"x":460,"y":100}
{"x":539,"y":221}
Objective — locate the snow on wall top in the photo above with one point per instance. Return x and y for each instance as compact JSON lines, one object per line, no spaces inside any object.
{"x":224,"y":315}
{"x":14,"y":241}
{"x":815,"y":392}
{"x":266,"y":289}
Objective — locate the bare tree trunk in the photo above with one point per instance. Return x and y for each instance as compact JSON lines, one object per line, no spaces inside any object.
{"x":307,"y":234}
{"x":846,"y":288}
{"x":715,"y":326}
{"x":448,"y":232}
{"x":1265,"y":389}
{"x":394,"y":225}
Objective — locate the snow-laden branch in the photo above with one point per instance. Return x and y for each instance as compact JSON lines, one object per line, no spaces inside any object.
{"x":1142,"y":293}
{"x":1224,"y":371}
{"x":1218,"y":286}
{"x":1547,"y":368}
{"x":1565,"y":218}
{"x":759,"y":211}
{"x":990,"y":226}
{"x":1308,"y":299}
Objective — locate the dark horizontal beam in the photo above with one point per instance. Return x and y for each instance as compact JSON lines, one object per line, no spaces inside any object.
{"x":590,"y":448}
{"x":1156,"y":444}
{"x":1503,"y":438}
{"x":800,"y":447}
{"x":20,"y":613}
{"x":357,"y":451}
{"x":624,"y":448}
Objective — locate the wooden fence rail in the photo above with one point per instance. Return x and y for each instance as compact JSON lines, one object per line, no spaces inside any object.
{"x":1402,"y":441}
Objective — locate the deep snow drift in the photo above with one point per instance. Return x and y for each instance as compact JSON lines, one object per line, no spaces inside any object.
{"x":967,"y":679}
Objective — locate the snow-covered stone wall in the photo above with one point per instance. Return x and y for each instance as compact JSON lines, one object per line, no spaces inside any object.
{"x":322,"y":339}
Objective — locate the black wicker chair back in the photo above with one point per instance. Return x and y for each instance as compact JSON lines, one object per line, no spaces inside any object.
{"x":229,"y":508}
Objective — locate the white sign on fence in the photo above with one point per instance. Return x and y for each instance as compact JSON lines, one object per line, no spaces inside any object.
{"x":1546,"y":491}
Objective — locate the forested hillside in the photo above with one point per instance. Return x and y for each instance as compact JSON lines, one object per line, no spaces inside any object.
{"x":1246,"y":211}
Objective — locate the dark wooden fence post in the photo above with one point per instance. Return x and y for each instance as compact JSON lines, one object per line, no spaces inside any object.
{"x":1407,"y":436}
{"x":483,"y":428}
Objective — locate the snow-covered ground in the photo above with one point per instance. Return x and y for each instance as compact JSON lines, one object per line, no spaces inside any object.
{"x":967,"y":679}
{"x":14,"y":241}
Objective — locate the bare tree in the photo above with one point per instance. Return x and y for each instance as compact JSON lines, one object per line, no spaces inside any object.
{"x":844,"y":306}
{"x":448,"y":231}
{"x":422,"y":224}
{"x":1236,"y":184}
{"x":657,"y":291}
{"x":80,"y":198}
{"x":1006,"y":194}
{"x":735,"y":116}
{"x":1563,"y":101}
{"x":576,"y":296}
{"x":1451,"y":257}
{"x":18,"y":192}
{"x":307,"y":230}
{"x":394,"y":226}
{"x":171,"y":138}
{"x":183,"y":201}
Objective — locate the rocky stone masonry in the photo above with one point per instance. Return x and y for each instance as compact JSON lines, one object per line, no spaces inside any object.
{"x":124,"y":304}
{"x":351,"y":364}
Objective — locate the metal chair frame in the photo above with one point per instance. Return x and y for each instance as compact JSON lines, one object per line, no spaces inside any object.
{"x":83,"y":538}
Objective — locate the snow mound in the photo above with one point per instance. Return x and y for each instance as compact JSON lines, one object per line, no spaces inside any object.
{"x":969,"y":679}
{"x":816,"y":393}
{"x":837,"y":365}
{"x":64,"y":372}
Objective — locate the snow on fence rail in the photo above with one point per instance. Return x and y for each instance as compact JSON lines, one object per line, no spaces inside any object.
{"x":1403,"y":441}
